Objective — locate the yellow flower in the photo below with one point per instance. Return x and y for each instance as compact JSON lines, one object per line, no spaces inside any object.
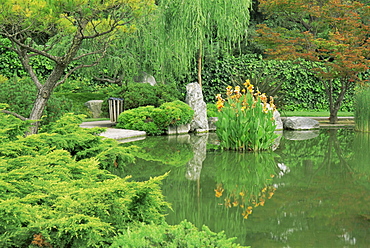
{"x":263,"y":98}
{"x":247,"y":83}
{"x":220,"y":105}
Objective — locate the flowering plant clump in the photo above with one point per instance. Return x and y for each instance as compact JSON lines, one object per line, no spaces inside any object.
{"x":245,"y":119}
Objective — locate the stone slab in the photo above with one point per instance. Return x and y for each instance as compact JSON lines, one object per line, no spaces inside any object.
{"x":114,"y":133}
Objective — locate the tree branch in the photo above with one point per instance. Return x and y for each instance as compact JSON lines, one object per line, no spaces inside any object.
{"x":82,"y":66}
{"x":34,"y":50}
{"x":110,"y":80}
{"x":14,"y":114}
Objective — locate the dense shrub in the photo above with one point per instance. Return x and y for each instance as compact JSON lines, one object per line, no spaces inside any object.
{"x":156,"y":120}
{"x":178,"y":236}
{"x":211,"y":110}
{"x":55,"y":194}
{"x":173,"y":113}
{"x":142,"y":94}
{"x":53,"y":200}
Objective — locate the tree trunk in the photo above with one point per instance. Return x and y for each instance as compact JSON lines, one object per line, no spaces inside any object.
{"x":43,"y":95}
{"x":335,"y":106}
{"x":200,"y":66}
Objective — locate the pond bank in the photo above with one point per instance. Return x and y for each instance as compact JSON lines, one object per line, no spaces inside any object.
{"x":126,"y":135}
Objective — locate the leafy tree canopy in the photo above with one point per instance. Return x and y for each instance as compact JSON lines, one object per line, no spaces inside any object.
{"x":333,"y":32}
{"x":58,"y":29}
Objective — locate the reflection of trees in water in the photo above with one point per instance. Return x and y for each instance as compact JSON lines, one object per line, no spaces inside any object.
{"x":331,"y":147}
{"x":320,"y":197}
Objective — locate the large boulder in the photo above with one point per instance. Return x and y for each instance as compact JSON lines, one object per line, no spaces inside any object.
{"x":300,"y":123}
{"x":194,"y":98}
{"x":95,"y":107}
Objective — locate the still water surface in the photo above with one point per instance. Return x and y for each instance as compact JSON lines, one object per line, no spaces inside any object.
{"x":307,"y":193}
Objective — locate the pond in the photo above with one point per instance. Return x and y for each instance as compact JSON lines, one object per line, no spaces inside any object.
{"x":312,"y":191}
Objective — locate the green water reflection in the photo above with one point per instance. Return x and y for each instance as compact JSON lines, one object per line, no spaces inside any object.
{"x":307,"y":193}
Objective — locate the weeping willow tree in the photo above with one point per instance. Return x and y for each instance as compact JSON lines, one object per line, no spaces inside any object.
{"x":174,"y":40}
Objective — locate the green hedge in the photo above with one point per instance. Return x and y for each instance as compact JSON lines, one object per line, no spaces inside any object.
{"x":300,"y":88}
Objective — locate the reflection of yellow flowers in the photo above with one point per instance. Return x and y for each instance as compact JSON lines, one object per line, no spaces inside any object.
{"x":239,"y":199}
{"x":219,"y":190}
{"x":247,"y":212}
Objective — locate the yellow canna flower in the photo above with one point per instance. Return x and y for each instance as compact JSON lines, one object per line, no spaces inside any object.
{"x":247,"y":83}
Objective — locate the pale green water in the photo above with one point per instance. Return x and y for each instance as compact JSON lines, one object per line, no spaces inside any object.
{"x":308,"y":193}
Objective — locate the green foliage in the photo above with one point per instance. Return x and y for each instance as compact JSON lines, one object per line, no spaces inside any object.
{"x":69,"y":203}
{"x":11,"y":127}
{"x":211,"y":110}
{"x":78,"y":100}
{"x":55,"y":193}
{"x":362,"y":109}
{"x":143,"y":94}
{"x":139,"y":119}
{"x":156,"y":120}
{"x":67,"y":135}
{"x":174,"y":113}
{"x":178,"y":236}
{"x":245,"y":121}
{"x":300,"y":89}
{"x":10,"y":65}
{"x":20,"y":94}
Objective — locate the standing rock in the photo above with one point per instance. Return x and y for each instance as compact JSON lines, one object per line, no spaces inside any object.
{"x":194,"y":98}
